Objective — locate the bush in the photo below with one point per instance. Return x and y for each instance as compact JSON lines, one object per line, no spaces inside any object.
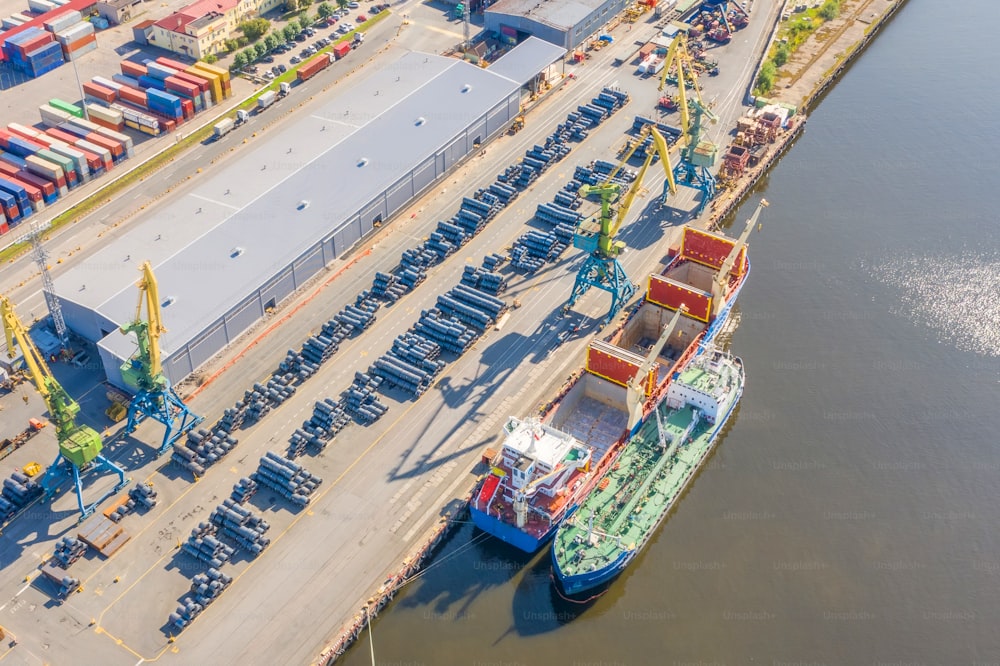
{"x":232,"y":45}
{"x":242,"y":41}
{"x":781,"y":55}
{"x":830,"y":10}
{"x":210,"y":58}
{"x":254,"y":29}
{"x":765,"y":80}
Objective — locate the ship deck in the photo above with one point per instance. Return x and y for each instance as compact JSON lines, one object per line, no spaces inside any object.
{"x":594,"y":423}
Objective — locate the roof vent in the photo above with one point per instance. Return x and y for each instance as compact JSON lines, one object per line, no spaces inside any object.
{"x":467,"y":87}
{"x":362,"y":162}
{"x":169,"y":301}
{"x":235,"y":252}
{"x":420,"y":121}
{"x":303,"y":204}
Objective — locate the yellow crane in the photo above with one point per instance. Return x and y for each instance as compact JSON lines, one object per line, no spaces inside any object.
{"x":154,"y":396}
{"x":597,"y":234}
{"x":698,"y":155}
{"x":80,"y":446}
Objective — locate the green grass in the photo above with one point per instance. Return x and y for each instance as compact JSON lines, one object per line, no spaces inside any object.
{"x":103,"y":195}
{"x":792,"y":34}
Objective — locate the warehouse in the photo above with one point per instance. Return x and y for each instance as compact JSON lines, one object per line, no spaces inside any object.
{"x":566,"y":23}
{"x":246,"y":237}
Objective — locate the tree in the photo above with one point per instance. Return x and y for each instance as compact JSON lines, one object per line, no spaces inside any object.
{"x":254,"y":29}
{"x":289,"y":32}
{"x":250,"y":55}
{"x":305,"y":21}
{"x":765,"y":80}
{"x":260,"y":49}
{"x":781,"y":55}
{"x":343,"y":3}
{"x":830,"y":10}
{"x":239,"y":60}
{"x":232,"y":45}
{"x":325,"y":10}
{"x":210,"y":58}
{"x":242,"y":41}
{"x":291,"y":5}
{"x":271,"y":40}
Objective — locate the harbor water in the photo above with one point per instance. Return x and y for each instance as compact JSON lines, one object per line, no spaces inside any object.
{"x":849,"y":513}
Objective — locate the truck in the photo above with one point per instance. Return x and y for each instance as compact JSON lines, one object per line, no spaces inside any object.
{"x":284,"y":88}
{"x":223,"y":127}
{"x":266,"y":100}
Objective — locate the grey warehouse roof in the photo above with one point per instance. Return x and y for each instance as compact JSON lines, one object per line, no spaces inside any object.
{"x":222,"y":239}
{"x":529,"y":58}
{"x":562,"y":14}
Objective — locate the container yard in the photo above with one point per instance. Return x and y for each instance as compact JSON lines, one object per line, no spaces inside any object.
{"x":359,"y":400}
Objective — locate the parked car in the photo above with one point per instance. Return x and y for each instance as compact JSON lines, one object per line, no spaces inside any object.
{"x":283,"y":68}
{"x":276,"y":70}
{"x":344,"y":29}
{"x":301,"y":37}
{"x":352,"y":5}
{"x":295,"y":60}
{"x":268,"y":59}
{"x":268,"y":75}
{"x":360,"y":18}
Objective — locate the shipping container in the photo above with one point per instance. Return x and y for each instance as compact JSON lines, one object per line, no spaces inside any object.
{"x":123,"y":80}
{"x":62,"y":21}
{"x":35,"y":194}
{"x":95,"y":160}
{"x":115,"y":148}
{"x":107,"y":114}
{"x":80,"y":48}
{"x":105,"y":82}
{"x":48,"y":170}
{"x":41,"y":6}
{"x":4,"y":227}
{"x":158,"y":71}
{"x":22,"y":131}
{"x":20,"y":194}
{"x":214,"y":80}
{"x":103,"y":154}
{"x":75,"y":32}
{"x":51,"y":116}
{"x":221,"y":72}
{"x":72,"y":109}
{"x":8,"y":205}
{"x":132,"y":96}
{"x":340,"y":50}
{"x":120,"y":137}
{"x":315,"y":66}
{"x":76,"y":163}
{"x":100,"y":93}
{"x":13,"y":160}
{"x":64,"y":163}
{"x":133,"y":69}
{"x":18,"y":145}
{"x":48,"y":189}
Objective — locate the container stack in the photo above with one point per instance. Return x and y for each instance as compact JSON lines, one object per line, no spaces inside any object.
{"x":34,"y":51}
{"x":77,"y":39}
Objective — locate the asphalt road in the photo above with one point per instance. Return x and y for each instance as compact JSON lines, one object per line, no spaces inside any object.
{"x":385,"y":484}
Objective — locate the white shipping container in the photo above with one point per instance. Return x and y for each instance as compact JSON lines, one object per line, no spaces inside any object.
{"x":75,"y":32}
{"x":107,"y":83}
{"x":83,"y":50}
{"x":63,"y":21}
{"x":78,"y":158}
{"x":14,"y":21}
{"x":52,"y":117}
{"x":100,"y":151}
{"x":137,"y":116}
{"x":112,"y":116}
{"x":60,"y":3}
{"x":21,"y":129}
{"x":41,"y":6}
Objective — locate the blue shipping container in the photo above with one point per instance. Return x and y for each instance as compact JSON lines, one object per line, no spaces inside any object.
{"x":19,"y":192}
{"x":11,"y":158}
{"x":146,"y":82}
{"x":20,"y":147}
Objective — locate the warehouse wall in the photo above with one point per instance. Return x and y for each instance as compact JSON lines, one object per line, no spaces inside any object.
{"x":568,"y":37}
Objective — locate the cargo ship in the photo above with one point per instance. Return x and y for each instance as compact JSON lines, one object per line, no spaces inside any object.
{"x":631,"y":500}
{"x":547,"y":465}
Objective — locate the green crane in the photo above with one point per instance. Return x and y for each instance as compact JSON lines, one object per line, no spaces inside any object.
{"x":80,"y":446}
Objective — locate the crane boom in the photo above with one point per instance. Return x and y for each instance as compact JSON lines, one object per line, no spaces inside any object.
{"x":722,"y":277}
{"x":62,"y":408}
{"x":636,"y":385}
{"x":146,"y":364}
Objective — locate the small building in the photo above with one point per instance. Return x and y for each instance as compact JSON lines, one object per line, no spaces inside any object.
{"x":116,"y":11}
{"x":203,"y":27}
{"x":565,"y":23}
{"x":142,"y":31}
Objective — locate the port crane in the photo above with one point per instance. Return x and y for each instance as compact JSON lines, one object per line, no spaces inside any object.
{"x":597,"y":234}
{"x":80,"y":446}
{"x":638,"y":386}
{"x":154,"y":397}
{"x":698,"y":154}
{"x":722,"y":277}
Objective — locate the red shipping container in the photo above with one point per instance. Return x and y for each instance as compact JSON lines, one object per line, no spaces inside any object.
{"x":187,"y":106}
{"x":34,"y":44}
{"x":46,"y":186}
{"x":201,"y":84}
{"x":108,"y":124}
{"x":99,"y":92}
{"x":341,"y":50}
{"x":172,"y":64}
{"x":3,"y":228}
{"x":132,"y":96}
{"x":21,"y":134}
{"x":166,"y":124}
{"x":104,"y":142}
{"x":57,"y":133}
{"x":4,"y":135}
{"x":13,"y":174}
{"x":130,"y":68}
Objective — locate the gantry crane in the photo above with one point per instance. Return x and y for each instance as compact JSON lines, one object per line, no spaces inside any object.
{"x":597,"y":234}
{"x":639,"y":386}
{"x":154,"y":396}
{"x":697,"y":154}
{"x":79,"y":446}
